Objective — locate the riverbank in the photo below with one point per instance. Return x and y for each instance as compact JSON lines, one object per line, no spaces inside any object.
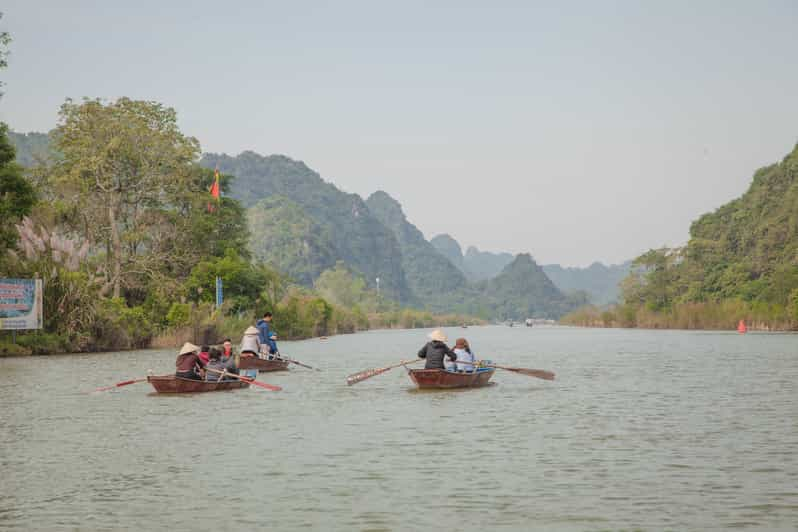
{"x":710,"y":316}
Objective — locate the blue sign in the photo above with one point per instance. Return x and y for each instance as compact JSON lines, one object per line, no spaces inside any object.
{"x":20,"y":304}
{"x":219,"y":294}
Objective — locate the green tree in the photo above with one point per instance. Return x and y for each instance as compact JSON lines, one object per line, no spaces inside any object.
{"x":124,"y":162}
{"x":17,"y":196}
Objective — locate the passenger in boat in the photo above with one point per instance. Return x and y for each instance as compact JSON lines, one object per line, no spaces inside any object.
{"x":465,"y":358}
{"x":266,"y":336}
{"x":435,"y":351}
{"x":204,"y":354}
{"x":250,"y":343}
{"x":227,"y":348}
{"x":250,"y":347}
{"x":219,"y":364}
{"x":229,"y":356}
{"x":188,"y":364}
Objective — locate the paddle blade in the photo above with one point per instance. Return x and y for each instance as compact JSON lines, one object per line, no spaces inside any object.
{"x":363,"y":375}
{"x":272,"y":387}
{"x":119,"y":385}
{"x":539,"y":373}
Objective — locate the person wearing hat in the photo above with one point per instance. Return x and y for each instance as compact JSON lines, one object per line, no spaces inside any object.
{"x":250,"y":347}
{"x":465,"y":358}
{"x":435,"y":350}
{"x":188,"y":364}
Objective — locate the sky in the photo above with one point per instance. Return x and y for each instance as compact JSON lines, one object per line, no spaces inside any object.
{"x":575,"y":131}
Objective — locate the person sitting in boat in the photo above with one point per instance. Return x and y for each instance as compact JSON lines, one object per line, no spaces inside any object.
{"x":227,"y":348}
{"x":204,"y":354}
{"x":217,"y":363}
{"x":266,"y":336}
{"x":229,"y":356}
{"x":250,"y":347}
{"x":435,"y":351}
{"x":465,"y":358}
{"x":188,"y":364}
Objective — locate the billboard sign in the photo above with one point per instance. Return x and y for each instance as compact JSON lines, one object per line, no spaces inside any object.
{"x":20,"y":304}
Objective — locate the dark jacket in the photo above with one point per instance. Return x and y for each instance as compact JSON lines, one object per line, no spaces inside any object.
{"x":188,"y":362}
{"x":434,"y":352}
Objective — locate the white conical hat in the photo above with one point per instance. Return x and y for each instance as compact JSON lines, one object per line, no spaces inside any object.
{"x":188,"y":347}
{"x":251,"y":330}
{"x":438,"y":335}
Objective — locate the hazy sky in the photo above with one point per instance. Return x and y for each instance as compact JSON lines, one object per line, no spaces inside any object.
{"x":577,"y":131}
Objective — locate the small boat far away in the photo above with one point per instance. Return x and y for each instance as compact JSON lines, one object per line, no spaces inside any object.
{"x":741,"y":328}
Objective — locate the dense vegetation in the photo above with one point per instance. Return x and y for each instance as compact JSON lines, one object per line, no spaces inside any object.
{"x":741,"y":262}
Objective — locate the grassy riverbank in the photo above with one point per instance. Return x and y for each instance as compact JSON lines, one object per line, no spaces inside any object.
{"x":722,"y":315}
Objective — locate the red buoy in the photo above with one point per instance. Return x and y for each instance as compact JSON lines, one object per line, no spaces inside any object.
{"x":741,"y":327}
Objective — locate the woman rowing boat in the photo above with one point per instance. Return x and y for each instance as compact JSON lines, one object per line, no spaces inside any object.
{"x":435,"y":351}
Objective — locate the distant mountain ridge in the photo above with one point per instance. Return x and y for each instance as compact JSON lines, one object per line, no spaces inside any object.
{"x":600,"y":282}
{"x":428,"y":273}
{"x":475,"y":264}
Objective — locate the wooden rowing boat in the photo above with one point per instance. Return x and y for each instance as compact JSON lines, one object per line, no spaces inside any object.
{"x":262,"y":364}
{"x":441,"y":378}
{"x":173,"y":384}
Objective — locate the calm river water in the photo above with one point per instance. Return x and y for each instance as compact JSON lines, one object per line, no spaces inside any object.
{"x":641,"y":430}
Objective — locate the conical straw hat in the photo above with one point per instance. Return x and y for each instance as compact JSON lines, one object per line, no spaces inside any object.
{"x":251,"y":330}
{"x":188,"y":347}
{"x":438,"y":335}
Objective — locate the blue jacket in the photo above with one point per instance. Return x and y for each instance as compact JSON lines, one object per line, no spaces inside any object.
{"x":264,"y":335}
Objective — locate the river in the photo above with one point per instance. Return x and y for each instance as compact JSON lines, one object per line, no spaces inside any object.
{"x":642,"y":429}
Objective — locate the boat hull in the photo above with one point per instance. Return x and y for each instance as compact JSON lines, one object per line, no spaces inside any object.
{"x":173,"y":384}
{"x":262,"y":364}
{"x":442,"y":379}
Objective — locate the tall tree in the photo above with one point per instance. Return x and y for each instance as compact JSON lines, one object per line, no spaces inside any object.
{"x":124,"y":165}
{"x":16,"y":194}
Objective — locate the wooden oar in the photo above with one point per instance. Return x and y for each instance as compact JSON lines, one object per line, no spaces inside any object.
{"x":368,"y":373}
{"x":297,"y":362}
{"x":119,"y":385}
{"x":272,"y":387}
{"x":539,"y":373}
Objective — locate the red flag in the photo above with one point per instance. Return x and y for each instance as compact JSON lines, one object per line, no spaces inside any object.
{"x":215,"y":189}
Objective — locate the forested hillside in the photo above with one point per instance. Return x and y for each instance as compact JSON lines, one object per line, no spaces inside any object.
{"x":429,"y":274}
{"x":741,"y":262}
{"x":522,"y":289}
{"x":354,"y":234}
{"x":30,"y":147}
